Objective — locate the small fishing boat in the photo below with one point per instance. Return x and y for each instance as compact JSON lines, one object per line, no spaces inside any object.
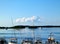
{"x":27,"y":41}
{"x":3,"y":41}
{"x":51,"y":39}
{"x":13,"y":41}
{"x":38,"y":42}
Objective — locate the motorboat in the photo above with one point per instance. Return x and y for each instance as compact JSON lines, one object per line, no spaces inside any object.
{"x":51,"y":39}
{"x":3,"y":41}
{"x":27,"y":41}
{"x":38,"y":42}
{"x":13,"y":41}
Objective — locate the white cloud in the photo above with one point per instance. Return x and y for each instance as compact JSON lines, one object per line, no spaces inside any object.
{"x":28,"y":19}
{"x":31,"y":19}
{"x":21,"y":19}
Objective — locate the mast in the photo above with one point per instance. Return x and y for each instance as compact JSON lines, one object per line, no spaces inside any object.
{"x":12,"y":25}
{"x":13,"y":40}
{"x":33,"y":33}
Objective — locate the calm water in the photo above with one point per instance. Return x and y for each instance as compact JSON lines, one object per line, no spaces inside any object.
{"x":27,"y":33}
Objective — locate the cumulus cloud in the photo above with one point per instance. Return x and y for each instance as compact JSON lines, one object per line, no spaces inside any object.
{"x":31,"y":19}
{"x":21,"y":19}
{"x":28,"y":19}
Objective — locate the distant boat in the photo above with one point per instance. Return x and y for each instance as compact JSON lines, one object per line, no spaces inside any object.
{"x":51,"y":40}
{"x":38,"y":42}
{"x":3,"y":41}
{"x":13,"y":41}
{"x":27,"y":41}
{"x":31,"y":41}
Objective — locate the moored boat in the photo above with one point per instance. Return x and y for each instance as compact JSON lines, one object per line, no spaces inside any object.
{"x":51,"y":39}
{"x":27,"y":41}
{"x":13,"y":41}
{"x":38,"y":42}
{"x":3,"y":41}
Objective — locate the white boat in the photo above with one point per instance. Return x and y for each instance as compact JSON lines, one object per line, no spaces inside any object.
{"x":26,"y":42}
{"x":13,"y":41}
{"x":38,"y":42}
{"x":51,"y":39}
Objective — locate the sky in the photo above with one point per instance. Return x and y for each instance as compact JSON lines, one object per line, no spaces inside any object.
{"x":28,"y":12}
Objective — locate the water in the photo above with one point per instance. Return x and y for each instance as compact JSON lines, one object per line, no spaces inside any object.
{"x":27,"y":33}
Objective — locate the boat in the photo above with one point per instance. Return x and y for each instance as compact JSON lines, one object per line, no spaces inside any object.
{"x":51,"y":39}
{"x":3,"y":41}
{"x":13,"y":41}
{"x":27,"y":41}
{"x":38,"y":42}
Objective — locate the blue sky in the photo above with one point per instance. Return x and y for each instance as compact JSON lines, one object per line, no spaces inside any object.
{"x":48,"y":10}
